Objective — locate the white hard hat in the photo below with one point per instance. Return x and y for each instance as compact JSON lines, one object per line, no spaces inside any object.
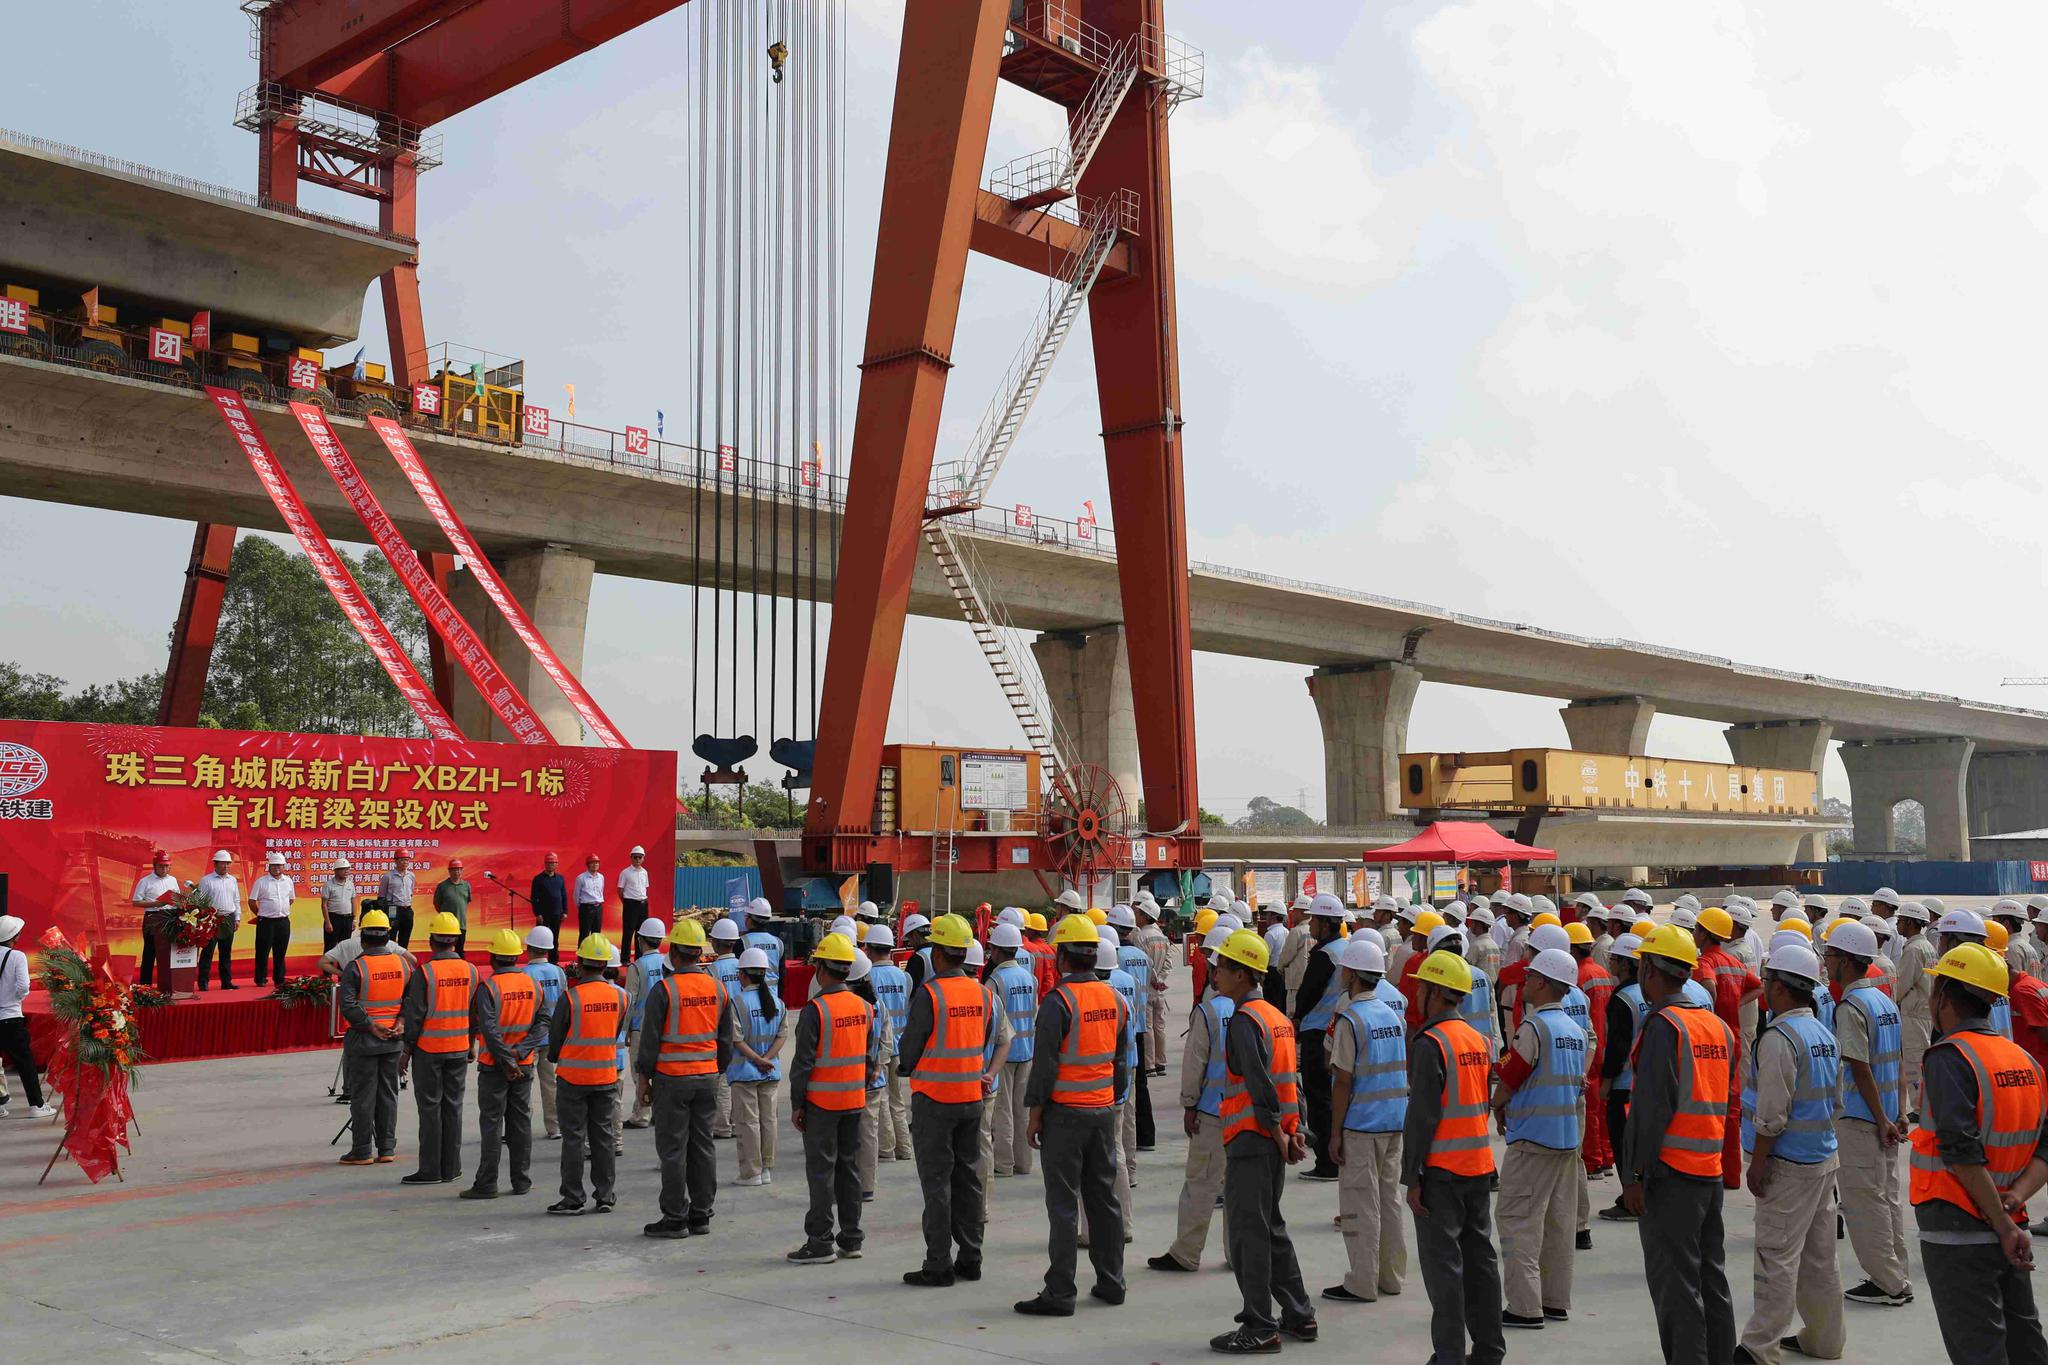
{"x":1220,"y":901}
{"x":879,"y":936}
{"x":844,"y":925}
{"x":1006,"y":935}
{"x":1876,"y":924}
{"x":867,"y":910}
{"x":1557,"y":965}
{"x":858,"y":969}
{"x":651,"y":927}
{"x":273,"y":860}
{"x":1454,"y":913}
{"x":1813,"y":900}
{"x":1481,"y":915}
{"x":1797,"y":959}
{"x":616,"y":961}
{"x":1591,"y":901}
{"x":11,"y":927}
{"x":1685,"y":917}
{"x":1785,"y":936}
{"x":975,"y":956}
{"x":1406,"y":913}
{"x":914,"y":922}
{"x":1010,"y":914}
{"x":540,"y":936}
{"x":2008,"y":908}
{"x":753,"y":959}
{"x":1070,"y":899}
{"x":1934,"y":906}
{"x":1785,"y":900}
{"x":1854,"y":938}
{"x":1688,"y":901}
{"x":1961,"y":922}
{"x":725,"y":929}
{"x":341,"y":864}
{"x":1217,"y":936}
{"x":1326,"y":906}
{"x":1854,"y":905}
{"x":1521,"y":903}
{"x":1105,"y":956}
{"x":1148,"y":907}
{"x":1635,"y":895}
{"x":759,"y":908}
{"x":1144,"y":895}
{"x":1227,"y":921}
{"x":1301,"y":902}
{"x":1884,"y":895}
{"x":1105,"y":934}
{"x":1363,"y":953}
{"x":1443,"y":932}
{"x":2039,"y":905}
{"x":1386,"y":903}
{"x":1241,"y":910}
{"x":1739,"y":910}
{"x":637,"y":852}
{"x":221,"y":855}
{"x":1625,"y":946}
{"x":1543,"y":905}
{"x":1545,"y":937}
{"x":1122,"y":917}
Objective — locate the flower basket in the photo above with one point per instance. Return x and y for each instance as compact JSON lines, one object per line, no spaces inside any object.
{"x":304,"y":990}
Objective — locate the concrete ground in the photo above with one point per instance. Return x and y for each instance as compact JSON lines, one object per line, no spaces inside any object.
{"x":237,"y":1238}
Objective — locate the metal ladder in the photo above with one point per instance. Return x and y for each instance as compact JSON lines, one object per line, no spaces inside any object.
{"x":1084,"y":133}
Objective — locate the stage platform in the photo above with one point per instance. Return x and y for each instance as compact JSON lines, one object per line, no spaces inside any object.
{"x":245,"y":1022}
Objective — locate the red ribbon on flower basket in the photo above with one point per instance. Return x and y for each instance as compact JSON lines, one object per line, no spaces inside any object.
{"x":97,"y":1051}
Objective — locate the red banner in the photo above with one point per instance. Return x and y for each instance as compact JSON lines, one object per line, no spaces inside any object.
{"x":423,"y":483}
{"x":347,"y":592}
{"x":490,"y":681}
{"x":88,"y":804}
{"x":2038,"y":871}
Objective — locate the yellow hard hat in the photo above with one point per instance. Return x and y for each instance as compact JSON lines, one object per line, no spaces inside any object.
{"x":1448,"y":970}
{"x":376,"y":919}
{"x":834,"y":948}
{"x":1205,"y":921}
{"x":688,"y":933}
{"x":950,"y":931}
{"x":1643,"y":928}
{"x":505,"y":943}
{"x":1670,"y":941}
{"x":1996,"y":935}
{"x":1545,"y":918}
{"x":1717,"y":922}
{"x":1034,"y":922}
{"x":1098,"y":916}
{"x":1426,"y":921}
{"x":1975,"y":966}
{"x":592,"y":948}
{"x":1576,"y":933}
{"x":1074,"y":929}
{"x":1797,"y":926}
{"x":444,"y":925}
{"x":1247,"y":949}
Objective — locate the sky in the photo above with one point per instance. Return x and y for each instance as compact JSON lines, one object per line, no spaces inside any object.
{"x":1709,"y":326}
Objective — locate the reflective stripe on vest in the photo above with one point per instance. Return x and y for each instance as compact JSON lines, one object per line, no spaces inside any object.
{"x":1087,"y":1056}
{"x":518,"y":1003}
{"x":1238,"y":1115}
{"x":1216,"y":1010}
{"x":1579,"y":1010}
{"x":689,"y":1035}
{"x":384,"y":977}
{"x":1460,"y":1144}
{"x":760,"y":1027}
{"x":1319,"y":1019}
{"x":2010,"y":1105}
{"x":1379,"y":1059}
{"x":1018,"y":985}
{"x":590,"y":1050}
{"x":1545,"y":1110}
{"x":1477,"y":1005}
{"x":451,"y":983}
{"x":1639,"y":1008}
{"x":1887,"y":1052}
{"x":949,"y":1072}
{"x":1809,"y":1134}
{"x":1699,"y":1122}
{"x":839,"y":1073}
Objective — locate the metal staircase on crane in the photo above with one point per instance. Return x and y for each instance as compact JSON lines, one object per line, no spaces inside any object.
{"x":1053,"y":175}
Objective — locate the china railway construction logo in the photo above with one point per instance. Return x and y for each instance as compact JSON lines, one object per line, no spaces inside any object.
{"x":22,"y":769}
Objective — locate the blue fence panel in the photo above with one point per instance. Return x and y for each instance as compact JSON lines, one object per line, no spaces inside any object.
{"x":704,"y":888}
{"x":1860,"y":878}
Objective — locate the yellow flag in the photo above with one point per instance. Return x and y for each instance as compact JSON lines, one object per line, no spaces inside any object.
{"x":572,"y":398}
{"x":849,"y":894}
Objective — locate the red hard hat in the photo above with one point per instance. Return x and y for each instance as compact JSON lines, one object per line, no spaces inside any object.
{"x":402,"y":853}
{"x":159,"y":856}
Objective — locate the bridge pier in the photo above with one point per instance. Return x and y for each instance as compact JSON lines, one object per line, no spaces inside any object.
{"x":1088,"y":680}
{"x":2008,"y":791}
{"x":553,"y":583}
{"x":1364,"y":711}
{"x":1790,"y":744}
{"x":1609,"y":725}
{"x":1934,"y":772}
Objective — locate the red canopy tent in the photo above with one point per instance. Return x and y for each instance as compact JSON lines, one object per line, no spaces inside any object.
{"x":1459,"y":841}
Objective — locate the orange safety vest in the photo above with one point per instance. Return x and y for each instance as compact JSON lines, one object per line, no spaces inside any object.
{"x":518,"y":1003}
{"x":839,"y":1073}
{"x":384,"y":978}
{"x":689,"y":1035}
{"x":2010,"y":1104}
{"x":1236,"y":1109}
{"x":590,"y":1047}
{"x":1087,"y":1058}
{"x":950,"y":1069}
{"x":451,"y":983}
{"x":1699,"y":1125}
{"x":1461,"y":1145}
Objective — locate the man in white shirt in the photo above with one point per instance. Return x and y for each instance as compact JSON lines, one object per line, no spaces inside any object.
{"x":337,"y":905}
{"x":395,"y":890}
{"x":224,"y":894}
{"x":272,"y":896}
{"x":633,"y":893}
{"x":149,"y":890}
{"x":588,"y":894}
{"x":14,"y":1040}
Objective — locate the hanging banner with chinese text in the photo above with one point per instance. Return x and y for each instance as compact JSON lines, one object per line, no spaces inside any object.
{"x":423,"y":483}
{"x":85,"y":805}
{"x":348,"y":594}
{"x":490,"y":681}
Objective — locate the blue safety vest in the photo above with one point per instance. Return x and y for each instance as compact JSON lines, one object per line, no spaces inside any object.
{"x":1477,"y":1006}
{"x":1545,"y":1110}
{"x":1695,"y":995}
{"x":1388,"y":994}
{"x":1379,"y":1079}
{"x":1809,"y":1135}
{"x":551,"y":981}
{"x":1824,"y":1007}
{"x":1216,"y":1012}
{"x":727,"y":970}
{"x":761,"y":1027}
{"x":1019,"y":988}
{"x":1632,"y":996}
{"x":1318,"y":1019}
{"x":653,"y":971}
{"x":2001,"y":1018}
{"x":891,"y":985}
{"x":1580,"y":1010}
{"x":1139,"y":968}
{"x":770,"y":945}
{"x":1887,"y":1052}
{"x":1120,"y":981}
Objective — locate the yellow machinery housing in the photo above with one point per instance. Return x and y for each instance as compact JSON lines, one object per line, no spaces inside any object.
{"x":936,"y":788}
{"x":1565,"y":779}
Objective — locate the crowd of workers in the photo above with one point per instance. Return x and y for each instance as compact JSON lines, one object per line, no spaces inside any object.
{"x":1798,"y":1045}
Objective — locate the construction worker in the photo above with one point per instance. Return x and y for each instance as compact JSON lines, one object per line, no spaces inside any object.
{"x":1419,"y":930}
{"x":944,"y":1052}
{"x":1369,"y":1090}
{"x":1015,"y":981}
{"x":435,"y":1015}
{"x":1312,"y":1005}
{"x":552,"y":981}
{"x":830,"y":1067}
{"x":1626,"y":1010}
{"x":754,"y":1070}
{"x":725,"y":943}
{"x":916,"y":933}
{"x":1483,"y":953}
{"x":1596,"y":923}
{"x":1539,"y":1098}
{"x":1596,"y":983}
{"x":584,"y":1037}
{"x":760,"y":914}
{"x":1671,"y":1160}
{"x":643,"y":978}
{"x":1978,"y":1155}
{"x":1136,"y":963}
{"x":1447,"y":1166}
{"x":371,"y":994}
{"x":1870,"y":1120}
{"x":1119,"y":980}
{"x":687,"y":1039}
{"x":1732,"y":986}
{"x":1076,"y":1068}
{"x":506,"y":1020}
{"x":1201,"y":1099}
{"x":1478,"y":1003}
{"x":1158,"y":950}
{"x":890,"y":986}
{"x":1044,"y":961}
{"x":1913,"y":990}
{"x":1269,"y":921}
